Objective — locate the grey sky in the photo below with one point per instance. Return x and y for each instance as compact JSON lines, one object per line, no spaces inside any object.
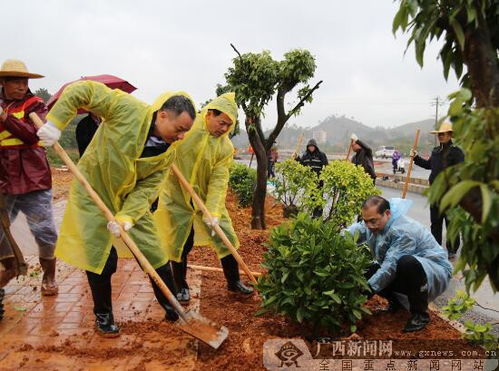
{"x":184,"y":45}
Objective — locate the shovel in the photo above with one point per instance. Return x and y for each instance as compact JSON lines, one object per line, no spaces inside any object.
{"x":190,"y":322}
{"x":216,"y":228}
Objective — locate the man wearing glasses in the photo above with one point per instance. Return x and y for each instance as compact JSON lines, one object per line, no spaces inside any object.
{"x":204,"y":158}
{"x":409,"y":268}
{"x":445,"y":155}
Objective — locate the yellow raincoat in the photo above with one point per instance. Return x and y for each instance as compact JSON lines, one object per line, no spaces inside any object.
{"x":204,"y":160}
{"x":126,"y":183}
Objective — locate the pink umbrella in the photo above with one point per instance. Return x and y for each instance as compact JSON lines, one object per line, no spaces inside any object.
{"x":111,"y":81}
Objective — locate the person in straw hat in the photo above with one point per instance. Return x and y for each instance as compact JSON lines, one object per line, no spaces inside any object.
{"x":25,"y":178}
{"x":445,"y":155}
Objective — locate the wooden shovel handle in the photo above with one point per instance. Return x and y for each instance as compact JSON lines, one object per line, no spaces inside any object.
{"x":408,"y":177}
{"x":144,"y":263}
{"x":217,"y":228}
{"x":349,"y":150}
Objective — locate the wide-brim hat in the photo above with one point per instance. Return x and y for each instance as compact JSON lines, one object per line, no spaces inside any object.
{"x":17,"y":68}
{"x":445,"y":127}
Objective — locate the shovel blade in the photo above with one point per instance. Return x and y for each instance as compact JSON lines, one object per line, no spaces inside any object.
{"x":203,"y":329}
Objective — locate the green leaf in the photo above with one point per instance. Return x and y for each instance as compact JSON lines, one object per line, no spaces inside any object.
{"x":456,"y":193}
{"x":486,"y":201}
{"x":19,"y":308}
{"x":458,"y":31}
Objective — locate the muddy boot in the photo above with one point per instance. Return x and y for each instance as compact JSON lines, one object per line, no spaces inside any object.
{"x":231,"y":272}
{"x":49,"y":286}
{"x":104,"y":322}
{"x":179,"y":274}
{"x":103,"y":309}
{"x":2,"y":295}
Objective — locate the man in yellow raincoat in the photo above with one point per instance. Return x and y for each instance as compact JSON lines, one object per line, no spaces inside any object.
{"x":204,"y":158}
{"x":124,"y":163}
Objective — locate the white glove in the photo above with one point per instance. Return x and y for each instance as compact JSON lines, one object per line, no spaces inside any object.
{"x":114,"y":227}
{"x":49,"y":134}
{"x":211,"y":223}
{"x":414,"y":153}
{"x":354,"y":137}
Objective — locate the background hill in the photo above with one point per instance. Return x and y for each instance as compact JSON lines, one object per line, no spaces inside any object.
{"x":333,"y":133}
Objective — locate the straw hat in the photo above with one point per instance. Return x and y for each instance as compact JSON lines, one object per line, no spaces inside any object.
{"x":445,"y":127}
{"x":16,"y":68}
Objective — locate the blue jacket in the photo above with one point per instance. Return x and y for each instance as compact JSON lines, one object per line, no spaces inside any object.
{"x":405,"y":236}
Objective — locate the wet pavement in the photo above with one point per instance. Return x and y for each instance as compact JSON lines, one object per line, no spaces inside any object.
{"x":57,"y":333}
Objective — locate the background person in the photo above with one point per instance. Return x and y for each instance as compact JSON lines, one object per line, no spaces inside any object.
{"x":363,"y":156}
{"x":445,"y":155}
{"x":25,"y":177}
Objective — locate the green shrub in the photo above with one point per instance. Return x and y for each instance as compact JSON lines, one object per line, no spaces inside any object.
{"x":345,"y":187}
{"x":292,"y":181}
{"x":315,"y":275}
{"x":242,"y":180}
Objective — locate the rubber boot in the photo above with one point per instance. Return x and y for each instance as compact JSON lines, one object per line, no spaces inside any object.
{"x":179,"y":275}
{"x":166,"y":275}
{"x":103,"y":309}
{"x":49,"y":286}
{"x":231,"y":272}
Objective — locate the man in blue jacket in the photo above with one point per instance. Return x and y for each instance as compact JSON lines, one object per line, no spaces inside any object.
{"x":408,"y":259}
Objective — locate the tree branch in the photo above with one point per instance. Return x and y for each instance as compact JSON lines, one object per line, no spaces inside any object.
{"x":282,"y":117}
{"x":237,"y":51}
{"x":302,"y":101}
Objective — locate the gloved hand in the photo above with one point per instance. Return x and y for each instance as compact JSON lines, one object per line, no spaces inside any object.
{"x":413,"y":153}
{"x":211,"y":223}
{"x":354,"y":137}
{"x":49,"y":134}
{"x":114,"y":227}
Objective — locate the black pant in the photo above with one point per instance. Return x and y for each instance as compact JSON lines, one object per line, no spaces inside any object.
{"x":100,"y":284}
{"x":410,"y":279}
{"x":437,"y":222}
{"x":229,"y":265}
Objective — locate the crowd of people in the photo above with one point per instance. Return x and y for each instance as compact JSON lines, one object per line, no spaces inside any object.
{"x":126,"y":149}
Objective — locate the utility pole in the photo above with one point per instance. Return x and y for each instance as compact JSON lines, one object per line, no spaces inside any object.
{"x":437,"y":101}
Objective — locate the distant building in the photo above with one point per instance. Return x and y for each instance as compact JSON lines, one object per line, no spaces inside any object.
{"x":320,"y":136}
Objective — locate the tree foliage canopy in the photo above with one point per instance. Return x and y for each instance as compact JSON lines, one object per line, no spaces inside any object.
{"x":257,"y":78}
{"x":469,"y":191}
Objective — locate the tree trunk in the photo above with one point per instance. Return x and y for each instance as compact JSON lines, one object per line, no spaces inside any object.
{"x":480,"y":56}
{"x":258,"y":206}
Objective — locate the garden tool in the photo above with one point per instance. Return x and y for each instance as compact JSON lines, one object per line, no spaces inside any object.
{"x":213,"y":269}
{"x":16,"y":265}
{"x":408,"y":177}
{"x":216,"y":227}
{"x":349,"y":150}
{"x":190,"y":322}
{"x":298,"y":145}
